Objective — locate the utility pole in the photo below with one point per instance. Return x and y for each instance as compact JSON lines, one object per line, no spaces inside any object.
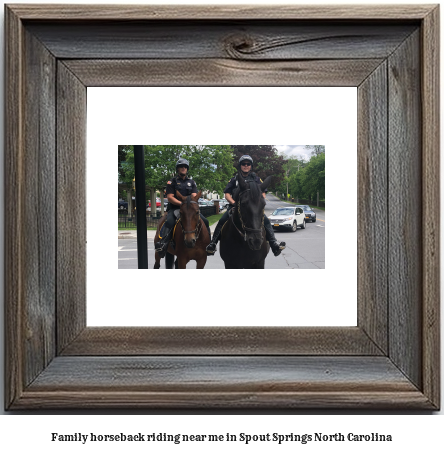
{"x":286,"y":196}
{"x":139,"y":174}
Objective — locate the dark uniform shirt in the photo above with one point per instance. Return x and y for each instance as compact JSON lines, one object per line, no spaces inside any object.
{"x":185,"y":186}
{"x":233,"y":183}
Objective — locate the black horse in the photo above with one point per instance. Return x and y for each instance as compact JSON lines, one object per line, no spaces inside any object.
{"x":243,"y":244}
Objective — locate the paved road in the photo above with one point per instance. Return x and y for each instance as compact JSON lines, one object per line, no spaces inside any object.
{"x":305,"y":248}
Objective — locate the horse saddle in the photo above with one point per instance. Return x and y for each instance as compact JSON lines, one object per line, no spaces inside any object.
{"x":162,"y":230}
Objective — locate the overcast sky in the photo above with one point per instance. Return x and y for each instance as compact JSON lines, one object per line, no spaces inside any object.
{"x":294,"y":150}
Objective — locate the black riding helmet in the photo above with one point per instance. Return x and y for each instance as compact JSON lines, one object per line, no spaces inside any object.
{"x":182,"y":162}
{"x":245,"y":158}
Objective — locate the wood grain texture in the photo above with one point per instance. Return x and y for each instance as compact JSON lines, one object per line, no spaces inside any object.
{"x":39,"y":230}
{"x":258,"y":40}
{"x":221,"y":72}
{"x":430,"y":204}
{"x":71,"y":206}
{"x":13,"y":209}
{"x":220,"y":12}
{"x":127,"y":341}
{"x":104,"y":367}
{"x":233,"y":382}
{"x":404,"y":209}
{"x":372,"y":206}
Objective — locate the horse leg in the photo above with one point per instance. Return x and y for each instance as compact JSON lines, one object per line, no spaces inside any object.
{"x":201,"y":262}
{"x":157,"y":263}
{"x":181,"y":263}
{"x":232,"y":265}
{"x":169,"y":260}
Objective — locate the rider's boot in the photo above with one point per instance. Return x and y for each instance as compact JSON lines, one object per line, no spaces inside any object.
{"x":211,"y":247}
{"x":276,"y":247}
{"x":162,"y":245}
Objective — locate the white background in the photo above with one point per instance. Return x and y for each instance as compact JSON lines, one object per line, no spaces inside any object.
{"x":413,"y":433}
{"x":223,"y":115}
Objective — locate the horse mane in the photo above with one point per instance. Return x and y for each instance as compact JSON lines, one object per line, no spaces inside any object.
{"x":256,"y":191}
{"x":236,"y":193}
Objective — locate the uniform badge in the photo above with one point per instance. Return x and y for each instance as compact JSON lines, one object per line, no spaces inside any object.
{"x":189,"y":184}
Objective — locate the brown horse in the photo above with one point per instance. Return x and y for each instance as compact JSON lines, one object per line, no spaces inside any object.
{"x":191,"y":236}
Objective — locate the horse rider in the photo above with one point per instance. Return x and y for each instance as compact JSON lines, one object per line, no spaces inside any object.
{"x":186,"y":186}
{"x":245,"y":169}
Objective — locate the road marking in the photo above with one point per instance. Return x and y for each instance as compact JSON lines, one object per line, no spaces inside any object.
{"x":321,"y":220}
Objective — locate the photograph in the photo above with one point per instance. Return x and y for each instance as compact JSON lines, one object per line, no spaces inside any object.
{"x":264,"y":203}
{"x":88,"y":329}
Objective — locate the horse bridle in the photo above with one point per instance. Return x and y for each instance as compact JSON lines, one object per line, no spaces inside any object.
{"x":199,"y":223}
{"x":244,"y":227}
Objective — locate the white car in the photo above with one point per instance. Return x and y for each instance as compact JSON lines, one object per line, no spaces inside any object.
{"x":288,"y":217}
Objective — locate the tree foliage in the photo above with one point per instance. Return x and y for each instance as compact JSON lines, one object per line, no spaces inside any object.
{"x":312,"y":179}
{"x":316,"y":150}
{"x":305,"y":178}
{"x":210,"y":166}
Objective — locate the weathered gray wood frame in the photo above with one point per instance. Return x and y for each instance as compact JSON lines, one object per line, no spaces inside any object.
{"x":390,"y":360}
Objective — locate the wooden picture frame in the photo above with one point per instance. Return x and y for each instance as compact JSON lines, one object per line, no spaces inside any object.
{"x":389,"y":360}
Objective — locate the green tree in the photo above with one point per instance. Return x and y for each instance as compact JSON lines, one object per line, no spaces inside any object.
{"x":122,"y":158}
{"x":295,"y":166}
{"x":312,"y":180}
{"x":123,"y":178}
{"x":316,"y":150}
{"x":210,"y":166}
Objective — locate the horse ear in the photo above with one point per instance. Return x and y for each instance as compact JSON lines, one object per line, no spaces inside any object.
{"x":242,"y":183}
{"x":266,"y":183}
{"x":196,"y":198}
{"x":179,"y":196}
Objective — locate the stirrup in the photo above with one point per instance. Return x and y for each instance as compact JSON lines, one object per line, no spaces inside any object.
{"x":277,"y":248}
{"x":162,"y":252}
{"x":159,"y":246}
{"x":211,"y":248}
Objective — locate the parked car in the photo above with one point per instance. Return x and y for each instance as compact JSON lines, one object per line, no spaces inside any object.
{"x":223,"y":203}
{"x":123,"y":205}
{"x":157,"y":202}
{"x":310,"y":214}
{"x":288,"y":217}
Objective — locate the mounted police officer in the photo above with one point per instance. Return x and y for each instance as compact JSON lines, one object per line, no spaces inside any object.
{"x":246,"y":170}
{"x":186,"y":186}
